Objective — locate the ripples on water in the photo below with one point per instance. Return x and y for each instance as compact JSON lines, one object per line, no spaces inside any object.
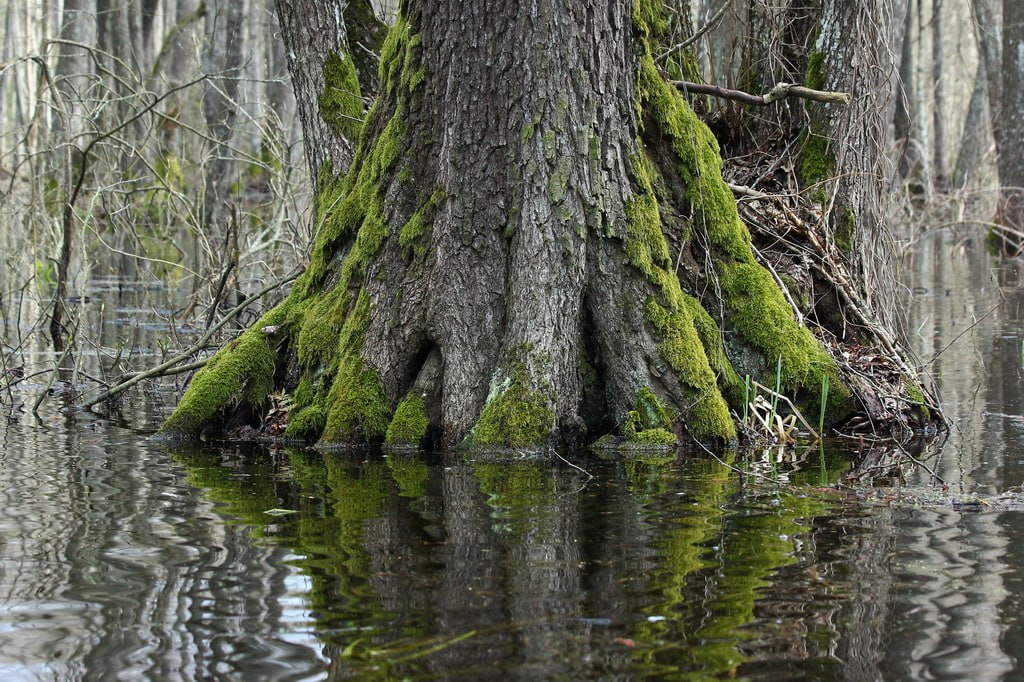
{"x":124,"y":559}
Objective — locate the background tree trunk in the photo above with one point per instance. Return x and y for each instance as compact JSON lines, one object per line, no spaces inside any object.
{"x":225,"y":45}
{"x":855,"y":57}
{"x":1011,"y":115}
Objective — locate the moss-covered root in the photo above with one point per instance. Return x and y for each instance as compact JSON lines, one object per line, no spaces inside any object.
{"x":517,"y":414}
{"x":241,"y":372}
{"x":409,"y":424}
{"x":650,"y":424}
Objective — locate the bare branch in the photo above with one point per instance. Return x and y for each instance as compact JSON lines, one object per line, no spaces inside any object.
{"x":780,"y":91}
{"x":171,"y":366}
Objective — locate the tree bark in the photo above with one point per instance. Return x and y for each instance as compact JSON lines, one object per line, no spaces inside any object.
{"x":1011,"y":113}
{"x":903,"y":116}
{"x":939,"y":100}
{"x":222,"y":62}
{"x":314,"y":34}
{"x":853,"y":46}
{"x":534,"y":245}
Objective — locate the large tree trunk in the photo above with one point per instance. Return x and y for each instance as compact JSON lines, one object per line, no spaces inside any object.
{"x":534,"y":245}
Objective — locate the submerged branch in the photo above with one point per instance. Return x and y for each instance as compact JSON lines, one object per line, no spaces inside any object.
{"x":780,"y":91}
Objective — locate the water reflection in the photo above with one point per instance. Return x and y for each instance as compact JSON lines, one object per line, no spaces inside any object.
{"x":120,"y":558}
{"x":113,"y":567}
{"x":533,"y":568}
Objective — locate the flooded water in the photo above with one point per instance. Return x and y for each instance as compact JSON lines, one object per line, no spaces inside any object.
{"x":123,"y":558}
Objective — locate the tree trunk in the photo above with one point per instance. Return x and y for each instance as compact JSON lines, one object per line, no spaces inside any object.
{"x":322,"y":70}
{"x":939,"y":100}
{"x":852,"y":53}
{"x":1011,"y":111}
{"x":534,"y":245}
{"x":977,"y":134}
{"x":903,"y":117}
{"x":989,"y":20}
{"x":222,"y":62}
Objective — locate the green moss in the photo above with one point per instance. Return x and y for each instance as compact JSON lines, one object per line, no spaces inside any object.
{"x":530,"y":129}
{"x":341,"y":102}
{"x":680,"y":344}
{"x":815,"y":76}
{"x":915,"y":394}
{"x":707,"y":415}
{"x":699,"y":163}
{"x":655,"y":25}
{"x":653,"y":437}
{"x":646,"y":247}
{"x":353,"y":207}
{"x":307,"y":424}
{"x":845,"y":230}
{"x":400,"y":62}
{"x":711,"y":338}
{"x":410,"y":423}
{"x":515,"y":415}
{"x":319,"y":328}
{"x":412,"y":235}
{"x":755,"y":306}
{"x":240,"y":372}
{"x":358,"y":409}
{"x":763,"y":317}
{"x":650,"y":423}
{"x":649,"y":18}
{"x":548,"y":140}
{"x":817,"y":162}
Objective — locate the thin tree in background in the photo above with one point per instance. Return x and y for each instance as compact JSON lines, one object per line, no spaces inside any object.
{"x":1010,"y":129}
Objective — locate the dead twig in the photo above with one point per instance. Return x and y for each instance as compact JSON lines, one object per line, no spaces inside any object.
{"x":171,"y":366}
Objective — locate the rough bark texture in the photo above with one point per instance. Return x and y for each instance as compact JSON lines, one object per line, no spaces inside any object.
{"x":853,"y":55}
{"x":534,"y":244}
{"x":314,"y":34}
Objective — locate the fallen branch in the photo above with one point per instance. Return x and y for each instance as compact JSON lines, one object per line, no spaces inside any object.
{"x":172,"y":366}
{"x":780,"y":91}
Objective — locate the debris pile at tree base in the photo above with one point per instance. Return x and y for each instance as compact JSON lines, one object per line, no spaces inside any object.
{"x":792,"y":239}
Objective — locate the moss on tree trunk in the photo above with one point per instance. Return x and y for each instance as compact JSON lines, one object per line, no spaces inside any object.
{"x":534,"y":246}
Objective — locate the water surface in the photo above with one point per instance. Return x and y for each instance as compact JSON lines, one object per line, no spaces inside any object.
{"x":121,"y":558}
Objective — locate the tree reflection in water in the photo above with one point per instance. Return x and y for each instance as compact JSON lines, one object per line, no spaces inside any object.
{"x":449,"y":566}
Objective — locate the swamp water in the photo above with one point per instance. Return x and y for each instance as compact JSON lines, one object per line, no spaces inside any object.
{"x":124,"y":558}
